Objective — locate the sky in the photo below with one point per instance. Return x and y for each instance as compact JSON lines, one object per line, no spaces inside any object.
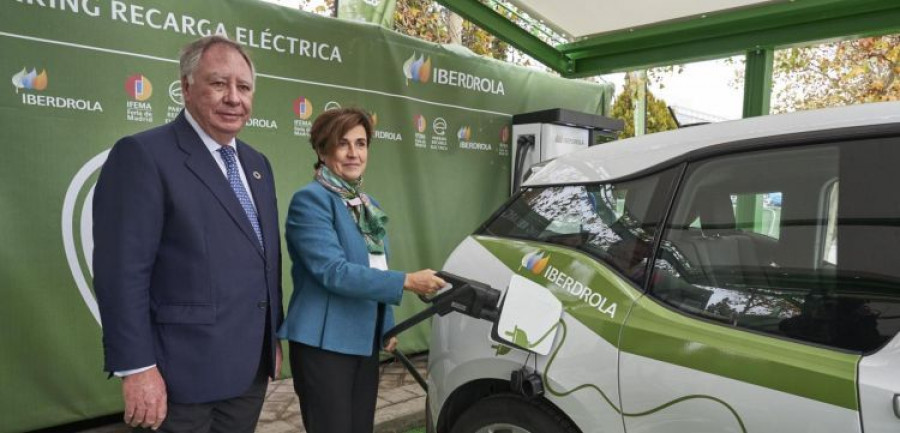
{"x":702,"y":86}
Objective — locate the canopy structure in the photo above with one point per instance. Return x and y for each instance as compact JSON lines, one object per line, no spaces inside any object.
{"x":603,"y":36}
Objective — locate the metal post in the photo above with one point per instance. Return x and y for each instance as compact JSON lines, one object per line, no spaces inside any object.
{"x":758,"y":82}
{"x":757,"y":95}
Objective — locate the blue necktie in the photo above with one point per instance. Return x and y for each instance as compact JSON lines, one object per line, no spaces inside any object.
{"x":234,"y":178}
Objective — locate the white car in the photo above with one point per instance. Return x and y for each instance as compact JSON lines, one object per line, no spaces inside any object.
{"x":639,"y":298}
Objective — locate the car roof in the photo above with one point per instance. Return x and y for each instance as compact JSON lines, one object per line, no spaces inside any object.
{"x":623,"y":158}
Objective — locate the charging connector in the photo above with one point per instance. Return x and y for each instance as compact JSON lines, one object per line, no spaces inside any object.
{"x":526,"y":382}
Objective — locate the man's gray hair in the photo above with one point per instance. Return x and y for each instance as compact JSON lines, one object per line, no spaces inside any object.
{"x":191,"y":54}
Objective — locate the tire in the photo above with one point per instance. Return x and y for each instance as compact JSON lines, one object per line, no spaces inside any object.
{"x":510,"y":413}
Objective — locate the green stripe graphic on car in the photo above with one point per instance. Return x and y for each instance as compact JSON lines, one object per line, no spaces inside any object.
{"x":600,"y":298}
{"x":548,"y":385}
{"x":520,"y":338}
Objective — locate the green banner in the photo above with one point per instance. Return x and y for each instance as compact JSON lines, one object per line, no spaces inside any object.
{"x":83,"y":73}
{"x":379,"y":12}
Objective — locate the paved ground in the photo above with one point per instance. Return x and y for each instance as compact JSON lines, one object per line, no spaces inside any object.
{"x":400,"y":407}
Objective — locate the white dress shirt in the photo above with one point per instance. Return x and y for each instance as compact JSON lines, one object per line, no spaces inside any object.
{"x":214,"y":147}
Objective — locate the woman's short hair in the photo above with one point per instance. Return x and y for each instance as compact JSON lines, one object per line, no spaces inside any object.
{"x":332,"y":124}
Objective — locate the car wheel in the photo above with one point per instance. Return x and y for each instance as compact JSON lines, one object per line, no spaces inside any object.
{"x":508,"y":413}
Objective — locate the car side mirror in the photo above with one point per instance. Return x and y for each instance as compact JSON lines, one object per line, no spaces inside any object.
{"x":529,"y":317}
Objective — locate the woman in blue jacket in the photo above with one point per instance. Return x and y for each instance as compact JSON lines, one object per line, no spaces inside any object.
{"x":343,"y":289}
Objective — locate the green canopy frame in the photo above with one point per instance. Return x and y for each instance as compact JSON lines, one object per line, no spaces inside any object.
{"x":753,"y":31}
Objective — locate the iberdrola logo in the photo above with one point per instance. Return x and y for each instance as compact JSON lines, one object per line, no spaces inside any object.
{"x":30,"y":80}
{"x":535,"y":262}
{"x":417,"y":70}
{"x":464,"y":133}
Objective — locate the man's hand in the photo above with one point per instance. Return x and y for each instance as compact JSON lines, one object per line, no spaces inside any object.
{"x":145,"y":399}
{"x":278,"y":358}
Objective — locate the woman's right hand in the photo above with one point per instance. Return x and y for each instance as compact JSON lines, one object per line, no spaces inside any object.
{"x":423,"y":282}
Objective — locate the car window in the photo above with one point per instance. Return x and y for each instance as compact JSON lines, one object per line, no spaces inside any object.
{"x":775,"y":265}
{"x":757,"y":212}
{"x":614,"y":222}
{"x":828,"y":251}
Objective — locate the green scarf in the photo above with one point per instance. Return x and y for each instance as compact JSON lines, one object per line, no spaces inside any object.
{"x":369,"y":218}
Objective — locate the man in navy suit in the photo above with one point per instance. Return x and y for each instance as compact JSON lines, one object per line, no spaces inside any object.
{"x":187,"y":257}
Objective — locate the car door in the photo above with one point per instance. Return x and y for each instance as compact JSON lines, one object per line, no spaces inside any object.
{"x":588,"y":245}
{"x":868,"y":250}
{"x":750,"y":322}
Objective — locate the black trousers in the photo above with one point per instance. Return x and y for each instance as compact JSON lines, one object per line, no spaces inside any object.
{"x":337,"y":391}
{"x":238,"y":414}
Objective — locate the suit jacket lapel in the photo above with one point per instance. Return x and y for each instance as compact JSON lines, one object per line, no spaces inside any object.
{"x":202,"y":164}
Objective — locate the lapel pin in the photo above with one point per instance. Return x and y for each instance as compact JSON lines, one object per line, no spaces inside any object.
{"x":256,"y":175}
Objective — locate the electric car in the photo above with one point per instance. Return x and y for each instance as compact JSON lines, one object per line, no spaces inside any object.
{"x":647,"y":288}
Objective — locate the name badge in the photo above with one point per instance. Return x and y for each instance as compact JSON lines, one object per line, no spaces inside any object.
{"x":378,"y":261}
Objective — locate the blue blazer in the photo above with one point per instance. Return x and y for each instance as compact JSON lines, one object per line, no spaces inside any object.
{"x":180,"y":278}
{"x":336,"y":294}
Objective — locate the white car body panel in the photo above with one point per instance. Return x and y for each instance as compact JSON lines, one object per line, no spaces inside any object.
{"x":879,"y":384}
{"x":626,"y":157}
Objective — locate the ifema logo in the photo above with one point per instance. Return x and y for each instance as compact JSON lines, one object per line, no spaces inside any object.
{"x":417,"y":70}
{"x":420,"y":122}
{"x":535,"y":262}
{"x":139,"y":87}
{"x":26,"y":80}
{"x":303,"y":108}
{"x":77,"y":225}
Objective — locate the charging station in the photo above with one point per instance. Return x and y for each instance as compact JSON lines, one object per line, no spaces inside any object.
{"x":540,"y":136}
